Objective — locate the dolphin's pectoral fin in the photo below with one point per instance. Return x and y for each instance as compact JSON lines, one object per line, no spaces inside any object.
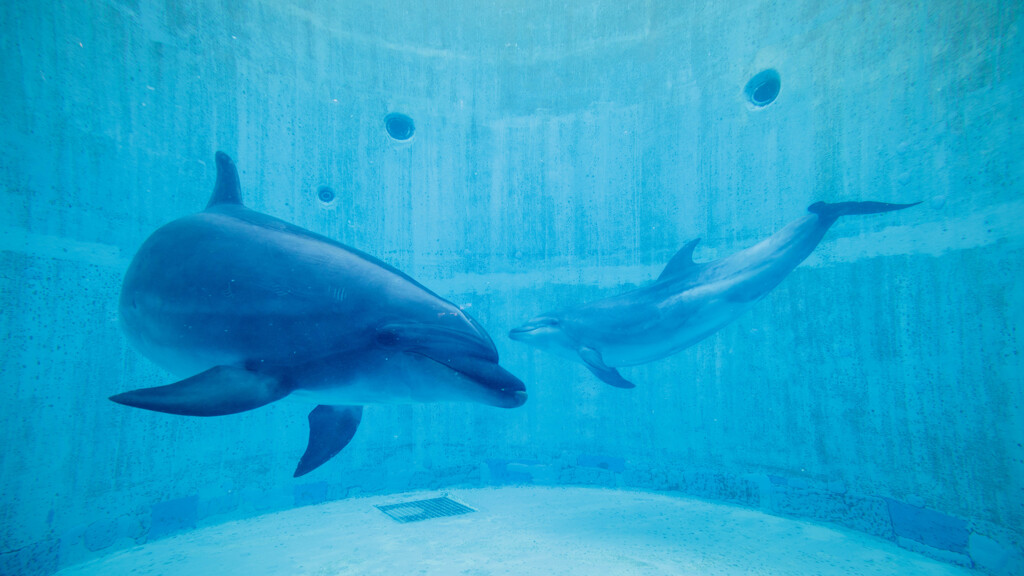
{"x":330,"y":429}
{"x":681,"y":264}
{"x":592,"y":358}
{"x":219,"y":391}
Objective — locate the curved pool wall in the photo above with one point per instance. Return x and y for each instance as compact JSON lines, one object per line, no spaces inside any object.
{"x":560,"y":154}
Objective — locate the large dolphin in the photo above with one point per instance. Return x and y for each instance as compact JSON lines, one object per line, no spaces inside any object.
{"x":252,"y":309}
{"x":687,"y":303}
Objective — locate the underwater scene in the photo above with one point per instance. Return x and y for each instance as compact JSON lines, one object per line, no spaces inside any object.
{"x":634,"y":287}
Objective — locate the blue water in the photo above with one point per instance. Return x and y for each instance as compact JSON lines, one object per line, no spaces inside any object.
{"x":516,"y":159}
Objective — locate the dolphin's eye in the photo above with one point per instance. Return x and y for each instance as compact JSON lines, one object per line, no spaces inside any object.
{"x":552,"y":322}
{"x":387,"y":338}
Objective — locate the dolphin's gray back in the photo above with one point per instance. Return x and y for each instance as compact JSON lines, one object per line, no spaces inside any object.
{"x":230,"y":286}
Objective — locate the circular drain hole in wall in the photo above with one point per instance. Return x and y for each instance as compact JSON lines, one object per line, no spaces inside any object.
{"x":326,"y":194}
{"x":763,"y":88}
{"x":399,"y":126}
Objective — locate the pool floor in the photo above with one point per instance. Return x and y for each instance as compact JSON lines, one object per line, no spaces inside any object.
{"x":522,"y":530}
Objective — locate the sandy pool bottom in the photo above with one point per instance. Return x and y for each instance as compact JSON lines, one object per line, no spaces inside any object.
{"x":528,"y":530}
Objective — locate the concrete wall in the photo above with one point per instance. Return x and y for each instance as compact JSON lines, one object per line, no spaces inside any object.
{"x":562,"y":153}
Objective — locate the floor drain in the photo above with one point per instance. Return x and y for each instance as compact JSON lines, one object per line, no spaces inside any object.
{"x":424,"y":509}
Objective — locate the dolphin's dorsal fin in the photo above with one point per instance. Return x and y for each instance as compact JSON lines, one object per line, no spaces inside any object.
{"x":227,"y":190}
{"x":680,"y":264}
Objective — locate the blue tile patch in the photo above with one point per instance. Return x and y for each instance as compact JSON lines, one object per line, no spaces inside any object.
{"x":929,"y":527}
{"x":309,"y":494}
{"x":173,"y":516}
{"x":39,"y":559}
{"x":219,"y":505}
{"x":100,"y":534}
{"x":501,"y":474}
{"x":613,"y":464}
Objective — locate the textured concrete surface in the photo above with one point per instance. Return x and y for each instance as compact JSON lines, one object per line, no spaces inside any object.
{"x":523,"y":531}
{"x":564,"y":151}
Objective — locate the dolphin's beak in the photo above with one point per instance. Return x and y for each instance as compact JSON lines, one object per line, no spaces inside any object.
{"x":502,"y":388}
{"x":518,"y":334}
{"x":495,"y":385}
{"x":515,"y":400}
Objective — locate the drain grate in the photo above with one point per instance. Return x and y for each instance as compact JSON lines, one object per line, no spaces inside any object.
{"x":424,"y":509}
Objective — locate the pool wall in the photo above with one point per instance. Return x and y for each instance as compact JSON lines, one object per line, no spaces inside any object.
{"x":561,"y":153}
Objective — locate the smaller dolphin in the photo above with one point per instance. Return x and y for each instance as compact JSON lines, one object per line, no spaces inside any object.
{"x":687,"y":303}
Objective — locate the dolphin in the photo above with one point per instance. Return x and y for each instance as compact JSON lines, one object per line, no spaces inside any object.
{"x":687,"y":303}
{"x":250,"y":309}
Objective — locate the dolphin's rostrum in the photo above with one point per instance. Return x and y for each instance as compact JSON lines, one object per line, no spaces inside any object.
{"x":687,"y":303}
{"x":252,"y":309}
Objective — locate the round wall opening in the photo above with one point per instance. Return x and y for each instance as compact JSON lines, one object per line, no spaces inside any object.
{"x":326,"y":194}
{"x":399,"y":126}
{"x":763,"y":88}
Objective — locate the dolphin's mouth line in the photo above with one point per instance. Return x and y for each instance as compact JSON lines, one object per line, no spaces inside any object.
{"x":509,"y":398}
{"x":517,"y":399}
{"x":412,"y":336}
{"x":480,"y":371}
{"x":515,"y":333}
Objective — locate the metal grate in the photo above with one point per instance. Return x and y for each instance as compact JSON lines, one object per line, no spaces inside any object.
{"x":424,"y":509}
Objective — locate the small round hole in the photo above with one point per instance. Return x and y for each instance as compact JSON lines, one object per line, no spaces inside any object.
{"x":399,"y":126}
{"x":325,"y":194}
{"x":763,"y":88}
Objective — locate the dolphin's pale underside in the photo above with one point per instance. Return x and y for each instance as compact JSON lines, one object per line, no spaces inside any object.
{"x":251,"y":309}
{"x":687,"y":303}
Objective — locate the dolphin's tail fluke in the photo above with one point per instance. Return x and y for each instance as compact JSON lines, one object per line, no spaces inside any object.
{"x":833,"y":211}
